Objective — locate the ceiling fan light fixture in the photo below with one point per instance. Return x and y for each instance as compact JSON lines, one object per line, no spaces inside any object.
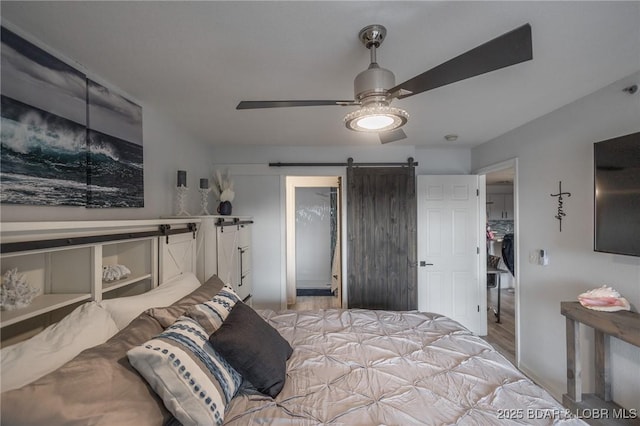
{"x":376,"y":118}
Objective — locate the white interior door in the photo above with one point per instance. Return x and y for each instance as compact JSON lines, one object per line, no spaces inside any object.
{"x":449,"y":249}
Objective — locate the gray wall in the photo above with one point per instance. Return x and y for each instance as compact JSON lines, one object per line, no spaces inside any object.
{"x":260,"y":193}
{"x":559,"y":147}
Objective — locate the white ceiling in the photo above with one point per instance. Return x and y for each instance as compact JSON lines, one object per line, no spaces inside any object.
{"x":194,"y":61}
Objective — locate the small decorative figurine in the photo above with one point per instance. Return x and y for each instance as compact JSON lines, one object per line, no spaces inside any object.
{"x":15,"y":292}
{"x":115,"y":272}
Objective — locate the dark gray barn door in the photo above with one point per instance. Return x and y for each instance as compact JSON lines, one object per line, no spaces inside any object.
{"x":381,"y":229}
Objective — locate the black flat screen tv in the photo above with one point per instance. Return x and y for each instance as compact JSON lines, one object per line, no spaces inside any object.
{"x":617,"y":195}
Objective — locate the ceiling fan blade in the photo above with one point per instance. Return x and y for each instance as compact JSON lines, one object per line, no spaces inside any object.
{"x":508,"y":49}
{"x":392,"y":135}
{"x":284,"y":104}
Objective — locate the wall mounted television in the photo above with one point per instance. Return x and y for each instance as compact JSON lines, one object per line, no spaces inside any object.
{"x":617,"y":195}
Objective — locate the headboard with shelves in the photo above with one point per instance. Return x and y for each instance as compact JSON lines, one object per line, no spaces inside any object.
{"x":64,"y":261}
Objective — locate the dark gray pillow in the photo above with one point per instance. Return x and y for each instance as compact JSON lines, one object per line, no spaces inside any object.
{"x":254,"y":348}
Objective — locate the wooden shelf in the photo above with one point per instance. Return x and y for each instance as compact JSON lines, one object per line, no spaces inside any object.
{"x":108,"y":286}
{"x":64,"y":260}
{"x":40,"y":305}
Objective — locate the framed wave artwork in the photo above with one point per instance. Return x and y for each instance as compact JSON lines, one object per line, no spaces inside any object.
{"x":65,"y":140}
{"x":114,"y":139}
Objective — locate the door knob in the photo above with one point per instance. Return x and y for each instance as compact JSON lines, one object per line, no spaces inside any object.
{"x":423,"y":263}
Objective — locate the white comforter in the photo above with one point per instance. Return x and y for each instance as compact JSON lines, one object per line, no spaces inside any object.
{"x":361,"y":367}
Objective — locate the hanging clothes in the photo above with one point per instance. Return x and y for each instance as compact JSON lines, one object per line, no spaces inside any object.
{"x":507,"y":253}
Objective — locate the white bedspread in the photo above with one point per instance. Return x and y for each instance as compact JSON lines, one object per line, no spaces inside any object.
{"x":361,"y":367}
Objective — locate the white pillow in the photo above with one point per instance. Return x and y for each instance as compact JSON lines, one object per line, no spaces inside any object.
{"x":192,"y":379}
{"x":123,"y":310}
{"x":87,"y":326}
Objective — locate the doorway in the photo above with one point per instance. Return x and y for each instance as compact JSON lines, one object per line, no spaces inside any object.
{"x":502,"y":258}
{"x":313,"y":221}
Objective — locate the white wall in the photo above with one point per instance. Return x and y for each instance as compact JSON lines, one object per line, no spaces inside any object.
{"x":259,"y":196}
{"x":559,"y":147}
{"x":260,"y":193}
{"x":442,"y":161}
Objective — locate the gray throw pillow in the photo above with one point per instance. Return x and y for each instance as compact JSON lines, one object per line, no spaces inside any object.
{"x":254,"y":348}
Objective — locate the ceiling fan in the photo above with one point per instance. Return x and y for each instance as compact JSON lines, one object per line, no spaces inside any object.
{"x":375,"y":87}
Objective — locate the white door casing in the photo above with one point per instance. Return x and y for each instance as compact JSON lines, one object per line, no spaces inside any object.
{"x":449,"y":249}
{"x":291,"y":183}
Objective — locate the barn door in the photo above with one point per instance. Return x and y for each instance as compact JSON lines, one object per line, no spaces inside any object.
{"x":381,"y":215}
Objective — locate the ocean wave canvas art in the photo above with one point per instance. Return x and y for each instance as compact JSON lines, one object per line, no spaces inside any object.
{"x":43,"y":138}
{"x":65,"y":140}
{"x":43,"y":157}
{"x":115,"y":172}
{"x":115,"y":156}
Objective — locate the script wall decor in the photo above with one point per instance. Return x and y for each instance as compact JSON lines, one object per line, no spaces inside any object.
{"x":560,"y":212}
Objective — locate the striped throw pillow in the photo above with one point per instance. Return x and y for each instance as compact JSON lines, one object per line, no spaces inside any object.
{"x":192,"y":379}
{"x":211,"y":314}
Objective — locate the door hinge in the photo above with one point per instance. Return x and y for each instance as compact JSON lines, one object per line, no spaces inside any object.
{"x":477,"y":250}
{"x":478,"y":308}
{"x":477,"y":192}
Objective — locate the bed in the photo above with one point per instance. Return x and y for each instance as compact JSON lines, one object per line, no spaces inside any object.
{"x":346,"y":367}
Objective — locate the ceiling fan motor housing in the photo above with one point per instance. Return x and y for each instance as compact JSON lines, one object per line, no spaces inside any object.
{"x":372,"y":84}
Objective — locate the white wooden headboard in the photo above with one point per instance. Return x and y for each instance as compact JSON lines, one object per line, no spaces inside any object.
{"x":64,"y":261}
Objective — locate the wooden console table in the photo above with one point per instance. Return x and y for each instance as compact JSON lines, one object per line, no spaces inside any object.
{"x":623,"y":325}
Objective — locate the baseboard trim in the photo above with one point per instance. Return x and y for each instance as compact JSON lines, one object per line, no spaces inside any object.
{"x":555,"y":393}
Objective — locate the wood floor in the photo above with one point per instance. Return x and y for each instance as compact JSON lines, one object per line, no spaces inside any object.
{"x":502,"y":336}
{"x":312,"y":303}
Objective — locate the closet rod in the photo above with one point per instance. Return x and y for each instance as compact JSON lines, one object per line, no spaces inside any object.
{"x":163,"y":230}
{"x":349,"y":163}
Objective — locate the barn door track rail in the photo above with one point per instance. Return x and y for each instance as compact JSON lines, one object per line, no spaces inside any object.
{"x":163,"y":230}
{"x":349,"y":163}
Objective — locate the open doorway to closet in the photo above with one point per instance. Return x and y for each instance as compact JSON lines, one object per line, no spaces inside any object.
{"x":501,"y":196}
{"x":314,"y":270}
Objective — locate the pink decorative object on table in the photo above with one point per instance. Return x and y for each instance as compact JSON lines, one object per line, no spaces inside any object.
{"x":604,"y":299}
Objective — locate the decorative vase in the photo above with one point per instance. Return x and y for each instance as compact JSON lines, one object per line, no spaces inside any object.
{"x":224,"y":208}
